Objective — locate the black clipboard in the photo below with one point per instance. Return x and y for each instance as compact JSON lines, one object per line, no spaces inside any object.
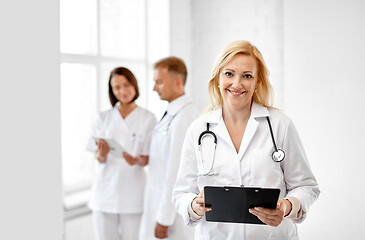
{"x":231,"y":204}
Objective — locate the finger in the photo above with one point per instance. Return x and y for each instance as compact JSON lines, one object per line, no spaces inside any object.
{"x":262,"y":215}
{"x":141,"y":161}
{"x":129,"y":161}
{"x":161,"y":233}
{"x":157,"y":232}
{"x":164,"y":234}
{"x":199,"y":200}
{"x":200,"y":210}
{"x":204,"y":209}
{"x":267,"y":211}
{"x":102,"y":160}
{"x":201,"y":194}
{"x":102,"y":143}
{"x":105,"y":144}
{"x":269,"y":221}
{"x":126,"y":155}
{"x":266,"y":217}
{"x":201,"y":207}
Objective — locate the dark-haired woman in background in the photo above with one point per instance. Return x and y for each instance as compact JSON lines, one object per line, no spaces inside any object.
{"x":117,"y":193}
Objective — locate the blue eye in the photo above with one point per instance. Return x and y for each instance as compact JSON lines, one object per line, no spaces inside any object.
{"x":247,"y":76}
{"x":228,"y":74}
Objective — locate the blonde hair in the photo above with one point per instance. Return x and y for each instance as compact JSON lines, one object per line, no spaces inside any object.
{"x":263,"y":93}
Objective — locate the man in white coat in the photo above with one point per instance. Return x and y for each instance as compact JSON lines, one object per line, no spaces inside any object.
{"x":160,"y":219}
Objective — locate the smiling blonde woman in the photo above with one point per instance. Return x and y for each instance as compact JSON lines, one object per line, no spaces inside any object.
{"x":241,"y":114}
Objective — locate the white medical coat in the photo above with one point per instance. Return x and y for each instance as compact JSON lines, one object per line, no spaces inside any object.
{"x":251,"y":166}
{"x":118,"y":187}
{"x":163,"y":166}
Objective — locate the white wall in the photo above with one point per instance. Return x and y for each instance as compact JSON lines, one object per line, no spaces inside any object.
{"x":217,"y":23}
{"x":181,"y":27}
{"x":158,"y":46}
{"x":199,"y":29}
{"x":324,"y":82}
{"x":30,"y":169}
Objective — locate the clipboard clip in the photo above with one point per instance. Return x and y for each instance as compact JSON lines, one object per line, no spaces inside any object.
{"x":227,"y":187}
{"x":257,"y":189}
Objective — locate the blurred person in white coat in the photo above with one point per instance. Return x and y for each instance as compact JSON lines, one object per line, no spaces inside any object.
{"x":240,"y":118}
{"x":117,"y":193}
{"x":160,"y":220}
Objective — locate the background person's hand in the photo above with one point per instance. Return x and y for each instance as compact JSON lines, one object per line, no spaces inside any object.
{"x":141,"y":160}
{"x":273,"y":217}
{"x":129,"y":159}
{"x":161,"y":231}
{"x":103,"y":150}
{"x":198,"y":204}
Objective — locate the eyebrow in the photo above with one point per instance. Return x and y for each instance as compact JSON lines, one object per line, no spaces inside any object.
{"x":235,"y":71}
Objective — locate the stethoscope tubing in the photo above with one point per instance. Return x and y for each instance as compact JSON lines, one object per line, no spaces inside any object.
{"x":277,"y":151}
{"x":272,"y":134}
{"x":201,"y":136}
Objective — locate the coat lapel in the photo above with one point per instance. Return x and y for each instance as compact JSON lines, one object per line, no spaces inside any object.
{"x":215,"y":117}
{"x":248,"y":135}
{"x":257,"y":111}
{"x":218,"y":126}
{"x":119,"y":126}
{"x":222,"y":132}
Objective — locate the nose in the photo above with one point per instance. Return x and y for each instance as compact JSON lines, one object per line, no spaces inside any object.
{"x":237,"y":82}
{"x":154,"y":88}
{"x":122,"y":89}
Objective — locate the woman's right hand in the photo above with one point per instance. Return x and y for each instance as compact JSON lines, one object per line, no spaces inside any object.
{"x":198,"y":204}
{"x":103,"y":150}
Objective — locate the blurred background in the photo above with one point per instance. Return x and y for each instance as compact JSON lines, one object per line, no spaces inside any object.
{"x":56,"y":57}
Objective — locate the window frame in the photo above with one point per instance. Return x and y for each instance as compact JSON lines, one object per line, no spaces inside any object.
{"x":96,"y":60}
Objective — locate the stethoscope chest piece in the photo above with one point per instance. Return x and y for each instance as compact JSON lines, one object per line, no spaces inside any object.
{"x":164,"y":132}
{"x":278,"y":155}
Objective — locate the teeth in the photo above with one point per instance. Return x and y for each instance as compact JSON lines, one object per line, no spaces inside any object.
{"x":236,"y":93}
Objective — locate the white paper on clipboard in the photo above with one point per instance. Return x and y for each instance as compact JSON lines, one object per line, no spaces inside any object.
{"x":116,"y":149}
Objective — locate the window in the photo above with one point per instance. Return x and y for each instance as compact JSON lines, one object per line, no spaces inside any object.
{"x":96,"y":36}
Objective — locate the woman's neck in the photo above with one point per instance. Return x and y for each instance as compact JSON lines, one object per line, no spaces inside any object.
{"x":236,"y":121}
{"x":126,"y":108}
{"x":236,"y":116}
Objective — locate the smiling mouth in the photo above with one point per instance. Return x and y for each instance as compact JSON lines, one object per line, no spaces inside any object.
{"x":236,"y":93}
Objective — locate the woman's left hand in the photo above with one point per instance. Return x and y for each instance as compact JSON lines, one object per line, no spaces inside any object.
{"x":129,"y":159}
{"x":141,"y":160}
{"x":273,"y":217}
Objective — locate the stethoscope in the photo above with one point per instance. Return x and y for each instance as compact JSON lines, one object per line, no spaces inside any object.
{"x":201,"y":136}
{"x":166,"y":129}
{"x":277,"y":155}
